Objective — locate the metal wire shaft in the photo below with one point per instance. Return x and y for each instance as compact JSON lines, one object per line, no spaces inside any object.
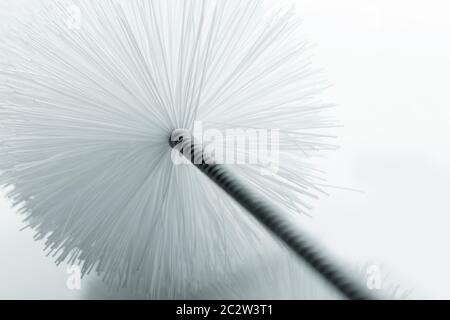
{"x":270,"y":216}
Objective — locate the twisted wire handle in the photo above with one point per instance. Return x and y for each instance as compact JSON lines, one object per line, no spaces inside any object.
{"x":270,"y":216}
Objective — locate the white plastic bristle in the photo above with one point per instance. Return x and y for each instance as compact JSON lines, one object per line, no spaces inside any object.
{"x":86,"y":111}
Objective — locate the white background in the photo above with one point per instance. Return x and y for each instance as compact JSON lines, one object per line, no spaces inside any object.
{"x":389,"y":64}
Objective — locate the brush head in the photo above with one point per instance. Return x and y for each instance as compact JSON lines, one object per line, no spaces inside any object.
{"x":89,"y":95}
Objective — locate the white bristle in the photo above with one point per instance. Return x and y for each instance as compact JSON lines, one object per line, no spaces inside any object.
{"x":85,"y":116}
